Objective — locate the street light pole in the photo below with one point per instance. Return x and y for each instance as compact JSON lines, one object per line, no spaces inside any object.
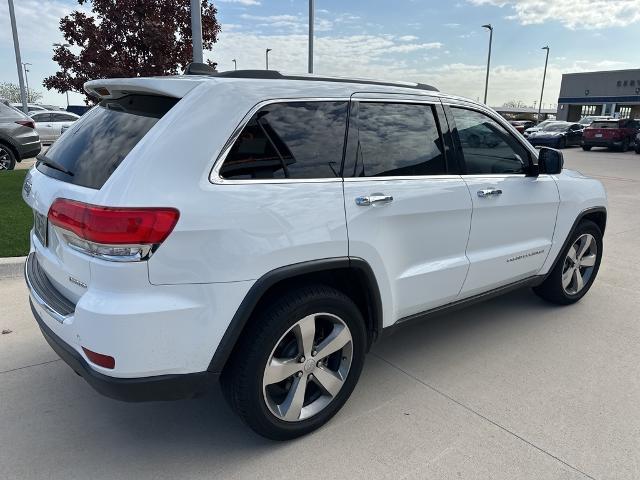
{"x":486,"y":82}
{"x":235,"y":64}
{"x":266,"y":55}
{"x":196,"y":30}
{"x":544,"y":77}
{"x":26,"y":79}
{"x":311,"y":26}
{"x":16,"y":47}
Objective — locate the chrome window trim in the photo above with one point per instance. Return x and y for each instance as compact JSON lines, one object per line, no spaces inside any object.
{"x":404,"y":177}
{"x":216,"y":178}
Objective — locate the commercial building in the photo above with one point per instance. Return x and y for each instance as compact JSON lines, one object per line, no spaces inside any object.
{"x":615,"y":93}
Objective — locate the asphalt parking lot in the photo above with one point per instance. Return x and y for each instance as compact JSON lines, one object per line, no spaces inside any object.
{"x":510,"y":389}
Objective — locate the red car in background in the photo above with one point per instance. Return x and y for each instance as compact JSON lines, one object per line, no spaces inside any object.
{"x":613,"y":134}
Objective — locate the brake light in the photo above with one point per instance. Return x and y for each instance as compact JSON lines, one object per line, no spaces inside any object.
{"x":26,"y":123}
{"x":113,"y":233}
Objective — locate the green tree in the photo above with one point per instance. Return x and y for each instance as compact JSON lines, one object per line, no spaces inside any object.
{"x":128,"y":38}
{"x":11,"y":92}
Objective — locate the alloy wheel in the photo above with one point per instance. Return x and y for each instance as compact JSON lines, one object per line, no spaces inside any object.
{"x":308,"y":367}
{"x":5,"y":159}
{"x":579,"y":264}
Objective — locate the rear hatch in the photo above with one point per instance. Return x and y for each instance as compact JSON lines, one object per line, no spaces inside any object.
{"x":604,"y":130}
{"x":76,"y":167}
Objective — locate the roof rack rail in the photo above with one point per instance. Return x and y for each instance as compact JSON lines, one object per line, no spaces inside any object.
{"x":197,"y":69}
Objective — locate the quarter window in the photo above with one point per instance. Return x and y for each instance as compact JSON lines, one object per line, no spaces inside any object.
{"x":394,"y":139}
{"x":487,"y":147}
{"x":295,"y":140}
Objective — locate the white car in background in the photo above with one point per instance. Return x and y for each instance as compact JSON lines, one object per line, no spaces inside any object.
{"x":49,"y":124}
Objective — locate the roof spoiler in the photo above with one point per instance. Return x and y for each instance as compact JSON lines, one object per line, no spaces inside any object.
{"x":196,"y":68}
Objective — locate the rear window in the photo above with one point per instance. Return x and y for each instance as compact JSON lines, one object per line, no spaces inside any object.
{"x":597,"y":124}
{"x":93,"y":148}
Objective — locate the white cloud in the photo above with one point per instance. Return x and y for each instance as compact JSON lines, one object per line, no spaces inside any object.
{"x":408,"y":38}
{"x":382,"y":57}
{"x":588,"y":14}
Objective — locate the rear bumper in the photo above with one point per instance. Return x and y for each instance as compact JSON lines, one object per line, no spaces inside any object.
{"x":29,"y":151}
{"x":163,"y":387}
{"x":601,"y":143}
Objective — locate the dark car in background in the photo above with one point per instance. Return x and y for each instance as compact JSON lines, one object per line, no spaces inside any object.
{"x":537,"y":127}
{"x":557,"y":135}
{"x":613,"y":134}
{"x":18,"y":137}
{"x":522,"y":125}
{"x":638,"y":143}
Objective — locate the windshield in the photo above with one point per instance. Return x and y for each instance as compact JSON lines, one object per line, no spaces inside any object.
{"x":97,"y":143}
{"x":555,"y":127}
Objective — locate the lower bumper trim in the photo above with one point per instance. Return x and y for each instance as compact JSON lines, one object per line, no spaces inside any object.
{"x":163,"y":387}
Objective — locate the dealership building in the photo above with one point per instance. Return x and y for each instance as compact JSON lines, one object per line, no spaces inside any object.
{"x":615,"y":93}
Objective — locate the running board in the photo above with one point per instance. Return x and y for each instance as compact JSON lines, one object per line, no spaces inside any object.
{"x":465,"y":302}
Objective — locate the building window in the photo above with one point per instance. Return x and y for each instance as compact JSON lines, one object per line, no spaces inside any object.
{"x":625,"y":112}
{"x":589,"y":110}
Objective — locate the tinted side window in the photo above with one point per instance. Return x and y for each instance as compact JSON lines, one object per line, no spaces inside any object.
{"x":41,"y":117}
{"x":61,"y":117}
{"x":290,"y":140}
{"x":395,"y":139}
{"x":486,"y":146}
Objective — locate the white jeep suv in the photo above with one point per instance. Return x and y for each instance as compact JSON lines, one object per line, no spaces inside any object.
{"x":268,"y":229}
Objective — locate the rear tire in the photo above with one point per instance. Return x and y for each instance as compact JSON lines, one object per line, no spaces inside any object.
{"x":580,"y":258}
{"x":586,"y":148}
{"x":287,"y":339}
{"x":7,"y":158}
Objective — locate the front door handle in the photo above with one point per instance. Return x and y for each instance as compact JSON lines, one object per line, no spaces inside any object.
{"x":373,"y":199}
{"x":489,"y":192}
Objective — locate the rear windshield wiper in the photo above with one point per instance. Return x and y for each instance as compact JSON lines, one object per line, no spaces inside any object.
{"x":52,"y":164}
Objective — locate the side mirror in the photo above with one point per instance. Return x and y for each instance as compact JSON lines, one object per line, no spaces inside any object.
{"x":550,"y":161}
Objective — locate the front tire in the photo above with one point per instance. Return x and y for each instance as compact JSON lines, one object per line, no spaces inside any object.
{"x":586,"y":148}
{"x":298,"y":362}
{"x":576,"y":268}
{"x":7,"y":158}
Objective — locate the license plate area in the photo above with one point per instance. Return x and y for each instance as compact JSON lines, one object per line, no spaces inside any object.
{"x":40,"y":227}
{"x":598,"y":135}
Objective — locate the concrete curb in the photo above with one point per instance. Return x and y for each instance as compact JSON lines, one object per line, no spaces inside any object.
{"x":11,"y":267}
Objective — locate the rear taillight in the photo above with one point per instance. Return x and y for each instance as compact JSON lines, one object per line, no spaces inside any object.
{"x":112,"y":233}
{"x":26,"y":123}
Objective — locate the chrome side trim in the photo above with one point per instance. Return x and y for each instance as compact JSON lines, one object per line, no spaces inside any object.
{"x":59,"y":317}
{"x":214,"y":175}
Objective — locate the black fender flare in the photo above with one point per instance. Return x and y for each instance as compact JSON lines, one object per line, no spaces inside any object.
{"x":268,"y":280}
{"x":576,"y":222}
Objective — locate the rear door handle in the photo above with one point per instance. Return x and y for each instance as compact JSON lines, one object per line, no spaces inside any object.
{"x":489,"y":192}
{"x":373,"y":199}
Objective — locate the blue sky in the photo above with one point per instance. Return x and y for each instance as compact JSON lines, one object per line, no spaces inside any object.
{"x":438,"y":42}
